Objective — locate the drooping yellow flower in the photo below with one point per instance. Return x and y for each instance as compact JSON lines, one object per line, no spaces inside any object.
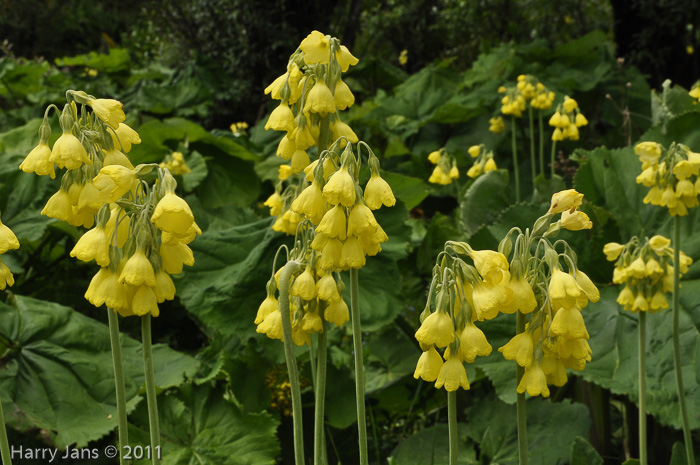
{"x":534,"y":382}
{"x":337,"y":313}
{"x":343,"y":96}
{"x":125,"y":137}
{"x":352,"y":254}
{"x":378,"y":193}
{"x":327,"y":289}
{"x":340,"y":129}
{"x":93,"y":245}
{"x":115,"y":157}
{"x":310,"y":203}
{"x":138,"y":270}
{"x":144,"y":302}
{"x":165,"y":287}
{"x":114,"y":181}
{"x":272,"y":326}
{"x":304,"y":285}
{"x":563,"y":289}
{"x":437,"y":329}
{"x":320,"y":99}
{"x":333,"y":223}
{"x":568,"y":323}
{"x":429,"y":365}
{"x":612,"y":250}
{"x":38,"y":161}
{"x":172,"y":214}
{"x":58,"y":206}
{"x":340,"y":188}
{"x":361,"y":219}
{"x":519,"y":348}
{"x":269,"y":305}
{"x":345,"y":58}
{"x":175,"y":256}
{"x":108,"y":110}
{"x":312,"y":323}
{"x":69,"y":153}
{"x":452,"y":375}
{"x":473,"y":343}
{"x":281,"y":119}
{"x":6,"y":277}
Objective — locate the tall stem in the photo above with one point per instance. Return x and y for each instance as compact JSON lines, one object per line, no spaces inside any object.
{"x":359,"y":366}
{"x":4,"y":443}
{"x":150,"y":388}
{"x":554,"y":151}
{"x":285,"y":276}
{"x":452,"y":425}
{"x":533,"y":163}
{"x":642,"y":390}
{"x":522,"y":418}
{"x":319,"y":420}
{"x":539,"y":114}
{"x":515,"y":163}
{"x":676,"y":340}
{"x":122,"y":429}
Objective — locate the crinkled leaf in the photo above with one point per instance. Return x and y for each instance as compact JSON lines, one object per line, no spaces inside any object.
{"x":58,"y":376}
{"x":199,"y":426}
{"x":551,"y":428}
{"x":614,"y":344}
{"x":483,"y":200}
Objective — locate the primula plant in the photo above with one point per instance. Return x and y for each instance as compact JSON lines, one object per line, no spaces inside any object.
{"x":140,"y":230}
{"x":528,"y":275}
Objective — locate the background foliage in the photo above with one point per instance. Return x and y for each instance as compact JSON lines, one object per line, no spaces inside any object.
{"x":186,"y":70}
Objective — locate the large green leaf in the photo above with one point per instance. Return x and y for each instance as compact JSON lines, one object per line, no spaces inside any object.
{"x":227,"y":282}
{"x":614,"y":344}
{"x":583,"y":453}
{"x":409,"y":189}
{"x":551,"y":428}
{"x":483,"y":200}
{"x":199,"y":426}
{"x":57,"y":372}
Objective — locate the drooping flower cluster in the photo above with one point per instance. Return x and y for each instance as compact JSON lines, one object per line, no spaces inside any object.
{"x":566,"y":120}
{"x":315,"y":296}
{"x":497,"y":125}
{"x":646,"y":270}
{"x":445,"y":171}
{"x":239,"y":128}
{"x":176,"y":164}
{"x":695,"y":92}
{"x":527,"y":89}
{"x":532,"y":282}
{"x":140,"y":233}
{"x":484,"y":161}
{"x":672,"y":175}
{"x":326,"y":191}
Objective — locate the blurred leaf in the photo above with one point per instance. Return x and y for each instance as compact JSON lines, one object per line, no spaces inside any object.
{"x":58,"y":375}
{"x":431,"y":446}
{"x":116,"y":60}
{"x":391,"y":357}
{"x":483,"y":200}
{"x":198,"y":171}
{"x":583,"y":453}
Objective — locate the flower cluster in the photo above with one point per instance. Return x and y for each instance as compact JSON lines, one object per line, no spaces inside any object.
{"x":527,"y":89}
{"x":497,"y":125}
{"x":445,"y":170}
{"x":672,"y":175}
{"x":484,"y":161}
{"x":646,"y":270}
{"x":140,"y":233}
{"x":532,"y":282}
{"x":239,"y":128}
{"x":566,"y":120}
{"x":312,"y":93}
{"x":315,"y":296}
{"x":176,"y":164}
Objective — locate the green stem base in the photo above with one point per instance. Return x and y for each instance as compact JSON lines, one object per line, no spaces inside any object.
{"x":150,"y":388}
{"x":359,"y":366}
{"x":122,"y":426}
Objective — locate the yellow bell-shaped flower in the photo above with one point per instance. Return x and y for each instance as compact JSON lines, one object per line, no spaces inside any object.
{"x":124,"y":137}
{"x":378,"y":193}
{"x":429,"y":365}
{"x":534,"y":381}
{"x":93,"y":245}
{"x":108,"y":110}
{"x":38,"y":161}
{"x":138,"y":270}
{"x":172,"y":214}
{"x":438,"y":329}
{"x":452,"y":375}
